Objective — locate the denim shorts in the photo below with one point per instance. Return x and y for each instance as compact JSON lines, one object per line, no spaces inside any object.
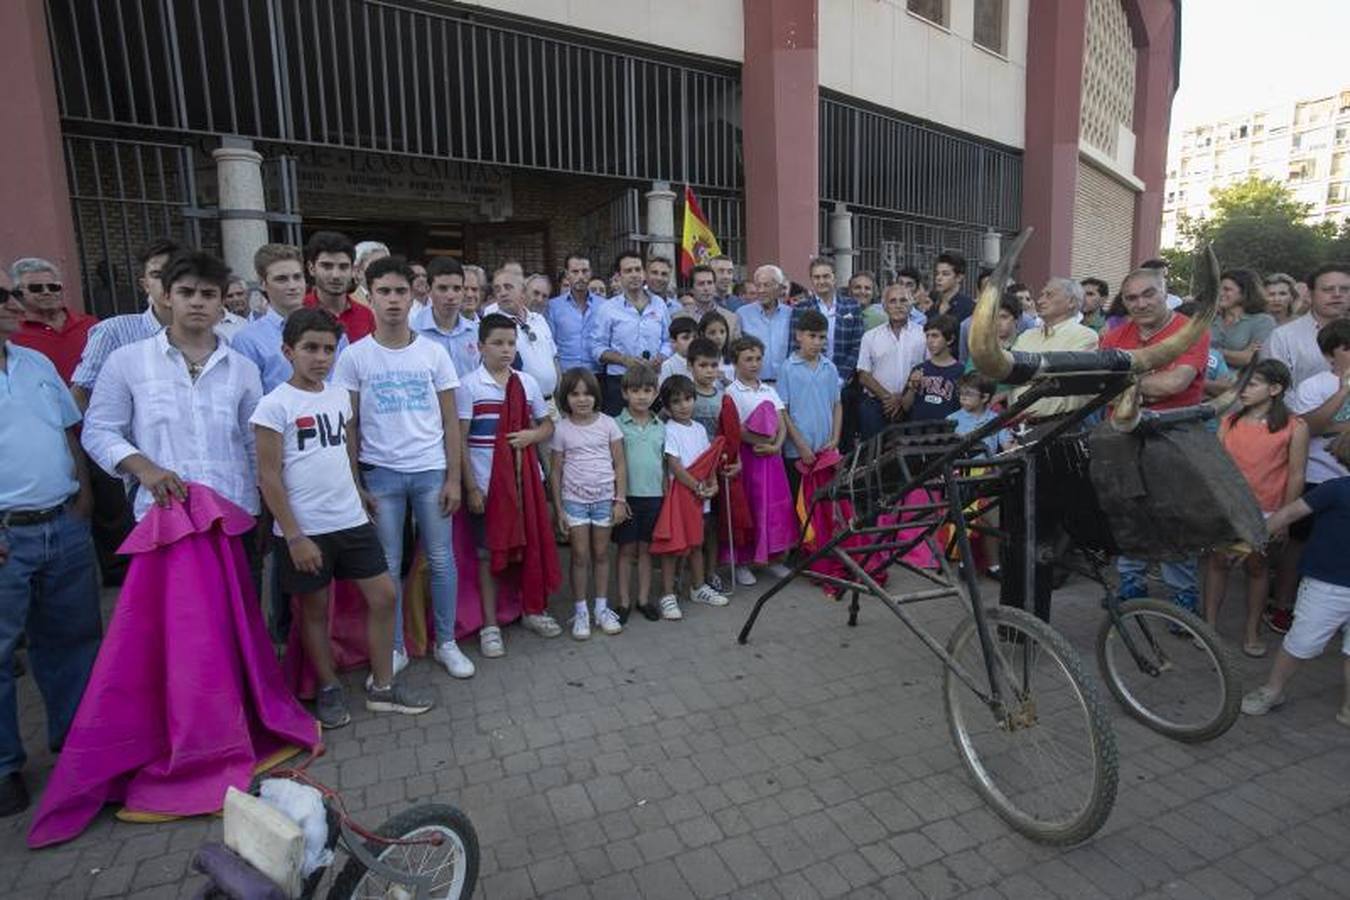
{"x":580,"y":512}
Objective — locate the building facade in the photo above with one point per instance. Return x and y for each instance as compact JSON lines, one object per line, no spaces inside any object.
{"x":885,"y":131}
{"x":1304,"y":145}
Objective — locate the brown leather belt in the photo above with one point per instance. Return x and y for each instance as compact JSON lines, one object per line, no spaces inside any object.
{"x":12,"y":518}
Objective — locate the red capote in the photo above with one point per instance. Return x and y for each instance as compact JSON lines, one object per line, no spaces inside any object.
{"x":827,"y":517}
{"x":730,"y":503}
{"x":518,"y":530}
{"x":679,"y":527}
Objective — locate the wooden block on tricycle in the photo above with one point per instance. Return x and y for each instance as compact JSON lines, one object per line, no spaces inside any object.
{"x":266,"y":838}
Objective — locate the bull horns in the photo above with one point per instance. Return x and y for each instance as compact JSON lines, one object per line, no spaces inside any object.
{"x":1008,"y":367}
{"x":987,"y":354}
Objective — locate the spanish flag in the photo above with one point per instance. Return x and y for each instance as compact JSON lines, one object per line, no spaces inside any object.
{"x":699,"y":244}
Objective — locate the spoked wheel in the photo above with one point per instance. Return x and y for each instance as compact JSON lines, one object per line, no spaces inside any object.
{"x":1173,"y":673}
{"x":1047,"y":762}
{"x":454,"y":863}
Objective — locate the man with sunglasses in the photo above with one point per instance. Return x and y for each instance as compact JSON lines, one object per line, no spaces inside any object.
{"x":536,"y":351}
{"x":47,"y":586}
{"x":48,"y":326}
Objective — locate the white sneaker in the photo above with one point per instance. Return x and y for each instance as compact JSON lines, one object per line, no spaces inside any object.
{"x":456,"y":663}
{"x":744,"y":576}
{"x":608,"y":620}
{"x":490,"y":642}
{"x":778,"y":570}
{"x":1261,"y":701}
{"x":542,"y":624}
{"x":581,"y":626}
{"x":670,"y":608}
{"x":705,"y":594}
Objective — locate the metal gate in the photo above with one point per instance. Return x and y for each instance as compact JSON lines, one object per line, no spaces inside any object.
{"x":610,"y":228}
{"x":125,"y":193}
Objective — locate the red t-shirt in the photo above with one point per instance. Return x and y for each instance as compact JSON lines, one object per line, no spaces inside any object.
{"x":63,"y":347}
{"x":357,"y":320}
{"x":1126,"y":337}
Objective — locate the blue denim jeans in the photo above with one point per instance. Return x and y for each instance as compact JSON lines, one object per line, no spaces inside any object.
{"x":1180,"y":577}
{"x":394,"y":493}
{"x":48,"y":589}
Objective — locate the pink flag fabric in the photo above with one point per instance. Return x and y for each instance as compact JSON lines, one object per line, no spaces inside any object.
{"x":186,"y":698}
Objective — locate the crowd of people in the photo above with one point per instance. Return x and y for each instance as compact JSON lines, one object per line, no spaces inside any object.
{"x":372,"y":408}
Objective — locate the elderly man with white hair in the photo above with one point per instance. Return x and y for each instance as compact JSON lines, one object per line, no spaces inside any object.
{"x":769,"y":319}
{"x":1057,"y":306}
{"x":366,"y":253}
{"x":49,"y":326}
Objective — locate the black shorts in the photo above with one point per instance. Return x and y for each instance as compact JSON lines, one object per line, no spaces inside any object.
{"x":1302,"y":529}
{"x":638,"y":528}
{"x":350,"y":554}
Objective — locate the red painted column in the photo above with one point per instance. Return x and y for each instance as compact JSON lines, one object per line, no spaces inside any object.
{"x":1155,"y":84}
{"x":1055,"y":36}
{"x":780,"y":125}
{"x":38,"y":220}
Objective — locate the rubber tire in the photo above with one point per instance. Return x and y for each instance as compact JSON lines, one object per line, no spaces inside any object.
{"x":1103,"y":797}
{"x":407,"y":822}
{"x":1223,"y":656}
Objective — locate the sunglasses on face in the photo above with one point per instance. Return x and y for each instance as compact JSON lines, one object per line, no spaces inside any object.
{"x":51,"y":287}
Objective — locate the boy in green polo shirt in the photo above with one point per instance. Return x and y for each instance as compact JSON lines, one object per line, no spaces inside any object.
{"x":644,"y":442}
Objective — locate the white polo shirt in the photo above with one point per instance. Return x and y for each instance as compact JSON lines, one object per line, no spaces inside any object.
{"x":889,"y":357}
{"x":537,"y":349}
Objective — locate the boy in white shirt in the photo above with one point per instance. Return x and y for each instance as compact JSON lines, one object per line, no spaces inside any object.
{"x":406,"y":439}
{"x":682,"y":333}
{"x":321,"y":529}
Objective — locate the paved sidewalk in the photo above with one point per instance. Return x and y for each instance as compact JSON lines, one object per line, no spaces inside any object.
{"x":670,"y":762}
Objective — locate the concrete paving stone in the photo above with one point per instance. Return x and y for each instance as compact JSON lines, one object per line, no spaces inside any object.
{"x":162,"y":869}
{"x":661,"y":881}
{"x":1214,"y":882}
{"x":618,"y":825}
{"x":704,"y":872}
{"x":570,"y":804}
{"x":936,"y":881}
{"x":624,"y":855}
{"x":795,"y":886}
{"x":915,"y":849}
{"x":113,"y":882}
{"x":827,"y":880}
{"x":513,"y":885}
{"x":746,"y":859}
{"x":551,"y":875}
{"x":949,"y":835}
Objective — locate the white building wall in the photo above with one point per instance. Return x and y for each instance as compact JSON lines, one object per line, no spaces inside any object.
{"x":706,"y":27}
{"x":878,"y":51}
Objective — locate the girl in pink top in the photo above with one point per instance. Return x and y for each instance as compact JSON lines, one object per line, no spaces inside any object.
{"x":589,"y":481}
{"x":1270,"y":447}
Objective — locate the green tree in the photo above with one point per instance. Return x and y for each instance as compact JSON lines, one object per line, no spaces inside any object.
{"x":1255,"y":224}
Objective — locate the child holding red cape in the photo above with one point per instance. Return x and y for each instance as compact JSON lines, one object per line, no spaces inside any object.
{"x":692,"y":462}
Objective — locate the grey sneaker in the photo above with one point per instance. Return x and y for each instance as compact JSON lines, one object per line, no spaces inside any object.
{"x":398,"y":698}
{"x":330,"y":707}
{"x":1261,"y":701}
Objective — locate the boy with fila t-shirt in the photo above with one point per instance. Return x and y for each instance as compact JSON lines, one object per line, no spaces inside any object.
{"x":321,"y":528}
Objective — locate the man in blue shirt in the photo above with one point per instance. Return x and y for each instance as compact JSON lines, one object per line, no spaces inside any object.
{"x":442,"y":319}
{"x":724,"y":279}
{"x":47,"y":570}
{"x":632,"y":329}
{"x":281,"y":272}
{"x":571,"y":315}
{"x":769,"y":320}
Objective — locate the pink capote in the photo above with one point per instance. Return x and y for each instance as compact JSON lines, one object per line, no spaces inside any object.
{"x":828,"y":517}
{"x":347,"y":614}
{"x":768,"y":494}
{"x":186,"y":697}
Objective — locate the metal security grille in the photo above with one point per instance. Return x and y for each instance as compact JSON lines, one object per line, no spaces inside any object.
{"x":897,"y":168}
{"x":884,"y":246}
{"x":124,"y":194}
{"x":398,"y":77}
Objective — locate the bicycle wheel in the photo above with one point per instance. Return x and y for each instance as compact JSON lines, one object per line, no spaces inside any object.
{"x":1047,"y":766}
{"x":454,"y":862}
{"x":1178,"y":678}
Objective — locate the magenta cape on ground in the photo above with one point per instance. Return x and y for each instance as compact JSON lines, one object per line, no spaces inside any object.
{"x":186,"y":697}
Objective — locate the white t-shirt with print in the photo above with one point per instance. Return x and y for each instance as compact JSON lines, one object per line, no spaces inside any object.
{"x":314,"y":464}
{"x":1311,"y":393}
{"x":400,"y":415}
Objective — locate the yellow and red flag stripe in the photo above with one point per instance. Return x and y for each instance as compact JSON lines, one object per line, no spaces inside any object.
{"x":699,"y":244}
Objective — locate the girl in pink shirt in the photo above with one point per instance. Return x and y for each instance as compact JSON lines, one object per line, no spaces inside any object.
{"x":589,"y":480}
